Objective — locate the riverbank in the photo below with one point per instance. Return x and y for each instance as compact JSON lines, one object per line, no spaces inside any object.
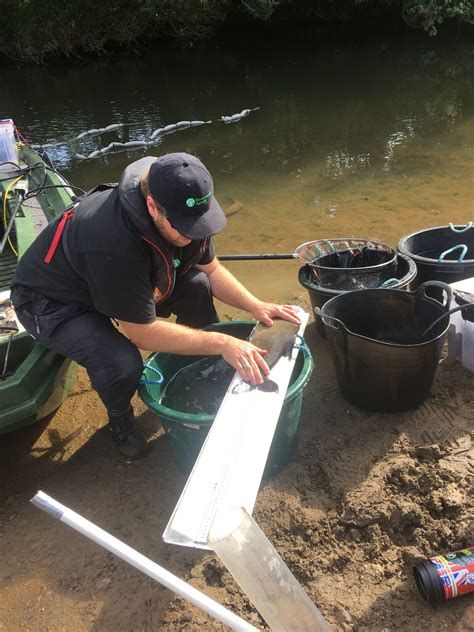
{"x":38,"y":32}
{"x":366,"y":495}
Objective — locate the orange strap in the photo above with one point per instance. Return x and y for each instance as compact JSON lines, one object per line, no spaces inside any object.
{"x":57,"y":235}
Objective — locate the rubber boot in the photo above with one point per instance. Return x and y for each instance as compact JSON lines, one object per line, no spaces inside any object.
{"x":126,"y":435}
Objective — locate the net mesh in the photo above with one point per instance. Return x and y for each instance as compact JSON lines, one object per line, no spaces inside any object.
{"x":348,"y":264}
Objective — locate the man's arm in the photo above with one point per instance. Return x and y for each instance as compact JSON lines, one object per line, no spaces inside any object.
{"x":247,"y":359}
{"x":173,"y":338}
{"x":229,"y":290}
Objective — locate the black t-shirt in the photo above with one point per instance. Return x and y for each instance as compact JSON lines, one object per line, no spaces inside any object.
{"x":104,"y":263}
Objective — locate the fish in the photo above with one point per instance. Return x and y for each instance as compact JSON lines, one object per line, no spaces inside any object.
{"x":278,"y":340}
{"x":199,"y":387}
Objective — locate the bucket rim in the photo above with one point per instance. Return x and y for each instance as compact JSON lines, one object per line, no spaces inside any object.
{"x":355,"y":270}
{"x":381,"y":342}
{"x":405,"y":280}
{"x":428,"y":260}
{"x":364,"y":240}
{"x":205,"y":420}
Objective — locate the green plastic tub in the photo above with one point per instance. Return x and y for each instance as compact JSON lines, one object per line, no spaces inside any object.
{"x":186,"y":433}
{"x":41,"y":381}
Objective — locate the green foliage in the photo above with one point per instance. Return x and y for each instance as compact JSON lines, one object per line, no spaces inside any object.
{"x":427,"y":14}
{"x":431,"y":13}
{"x":261,"y":9}
{"x":35,"y":29}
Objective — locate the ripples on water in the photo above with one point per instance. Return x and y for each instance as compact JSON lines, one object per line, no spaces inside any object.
{"x":199,"y":388}
{"x":373,"y":140}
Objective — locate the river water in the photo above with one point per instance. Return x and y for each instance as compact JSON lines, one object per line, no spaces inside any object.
{"x":373,"y":139}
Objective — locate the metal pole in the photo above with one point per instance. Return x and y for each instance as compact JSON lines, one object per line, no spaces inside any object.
{"x":255,"y":257}
{"x":139,"y":561}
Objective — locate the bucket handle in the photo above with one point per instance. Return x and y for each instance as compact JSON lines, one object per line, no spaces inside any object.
{"x":462,"y":229}
{"x":444,"y":286}
{"x":450,"y":250}
{"x":340,"y":327}
{"x":342,"y":332}
{"x":390,"y":282}
{"x":466,"y":306}
{"x":319,"y":312}
{"x":144,"y":380}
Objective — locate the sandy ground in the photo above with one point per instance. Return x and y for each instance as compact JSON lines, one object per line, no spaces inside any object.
{"x":365,"y":496}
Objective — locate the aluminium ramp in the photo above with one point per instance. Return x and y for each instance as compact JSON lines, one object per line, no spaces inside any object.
{"x":229,"y":468}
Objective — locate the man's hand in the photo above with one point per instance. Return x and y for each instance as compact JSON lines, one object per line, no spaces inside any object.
{"x":265,"y":312}
{"x":166,"y":337}
{"x":246,"y":358}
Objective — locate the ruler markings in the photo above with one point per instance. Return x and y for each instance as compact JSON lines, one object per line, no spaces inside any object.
{"x":229,"y":468}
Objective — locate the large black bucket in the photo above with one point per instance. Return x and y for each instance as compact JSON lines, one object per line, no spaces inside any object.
{"x":348,"y":263}
{"x":404,"y":277}
{"x":381,"y":363}
{"x":426,"y":247}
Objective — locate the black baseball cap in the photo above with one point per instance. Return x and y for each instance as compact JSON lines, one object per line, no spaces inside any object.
{"x":182,"y":185}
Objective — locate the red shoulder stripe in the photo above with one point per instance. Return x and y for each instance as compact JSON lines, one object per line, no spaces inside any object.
{"x":168,"y":269}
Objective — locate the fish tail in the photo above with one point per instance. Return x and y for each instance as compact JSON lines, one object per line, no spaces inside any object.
{"x":268,"y":386}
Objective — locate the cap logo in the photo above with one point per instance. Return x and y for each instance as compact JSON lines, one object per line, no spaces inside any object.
{"x":197,"y":201}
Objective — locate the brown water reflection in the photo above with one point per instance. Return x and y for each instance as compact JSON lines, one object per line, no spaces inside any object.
{"x":372,"y":140}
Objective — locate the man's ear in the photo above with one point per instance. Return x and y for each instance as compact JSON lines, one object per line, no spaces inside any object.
{"x":151,"y":206}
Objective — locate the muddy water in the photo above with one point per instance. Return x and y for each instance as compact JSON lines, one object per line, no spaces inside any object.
{"x":372,"y":140}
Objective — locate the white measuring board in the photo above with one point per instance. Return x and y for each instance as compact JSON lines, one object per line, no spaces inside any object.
{"x":229,"y":468}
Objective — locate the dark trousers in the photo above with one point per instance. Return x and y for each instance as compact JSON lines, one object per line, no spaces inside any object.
{"x":113,"y":363}
{"x":191,"y":301}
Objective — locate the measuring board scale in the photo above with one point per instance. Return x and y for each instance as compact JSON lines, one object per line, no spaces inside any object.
{"x":229,"y":468}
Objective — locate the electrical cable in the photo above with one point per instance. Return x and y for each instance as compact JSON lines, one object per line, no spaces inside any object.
{"x":23,"y":172}
{"x":53,"y":186}
{"x":27,"y":170}
{"x":15,"y":164}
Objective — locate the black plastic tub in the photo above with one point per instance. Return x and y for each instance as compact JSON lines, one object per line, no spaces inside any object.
{"x":425,"y":247}
{"x":405,"y":274}
{"x":355,"y":268}
{"x":381,"y":360}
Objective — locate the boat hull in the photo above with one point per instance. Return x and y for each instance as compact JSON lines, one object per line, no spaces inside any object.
{"x":40,"y":383}
{"x":34,"y":381}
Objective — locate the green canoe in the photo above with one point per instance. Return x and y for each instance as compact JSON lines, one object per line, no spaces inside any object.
{"x":33,"y":380}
